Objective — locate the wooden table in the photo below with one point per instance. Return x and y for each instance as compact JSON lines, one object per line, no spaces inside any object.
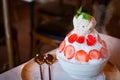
{"x":110,"y":71}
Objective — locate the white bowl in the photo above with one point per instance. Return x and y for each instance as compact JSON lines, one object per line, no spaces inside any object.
{"x":78,"y":71}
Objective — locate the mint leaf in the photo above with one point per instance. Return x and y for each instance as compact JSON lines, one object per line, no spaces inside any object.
{"x":78,"y":12}
{"x":86,"y":16}
{"x":77,"y":15}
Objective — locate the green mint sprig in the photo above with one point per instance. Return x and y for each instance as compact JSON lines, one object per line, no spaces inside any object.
{"x":85,"y":15}
{"x":79,"y":12}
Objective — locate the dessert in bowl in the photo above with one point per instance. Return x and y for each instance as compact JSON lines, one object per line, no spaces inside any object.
{"x":83,"y":54}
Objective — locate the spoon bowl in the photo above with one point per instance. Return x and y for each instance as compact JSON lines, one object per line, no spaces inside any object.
{"x":49,"y":60}
{"x":39,"y":58}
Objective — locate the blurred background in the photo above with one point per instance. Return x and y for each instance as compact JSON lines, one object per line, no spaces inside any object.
{"x":39,"y":26}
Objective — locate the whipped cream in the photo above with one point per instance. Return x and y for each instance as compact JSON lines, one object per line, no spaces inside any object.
{"x":83,"y":26}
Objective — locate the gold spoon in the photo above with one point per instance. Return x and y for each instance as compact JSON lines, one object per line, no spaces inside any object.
{"x":49,"y":60}
{"x":39,"y":58}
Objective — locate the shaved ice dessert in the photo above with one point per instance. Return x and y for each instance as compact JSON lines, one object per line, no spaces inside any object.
{"x":83,"y":54}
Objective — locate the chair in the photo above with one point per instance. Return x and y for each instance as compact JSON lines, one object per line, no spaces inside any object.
{"x":9,"y":35}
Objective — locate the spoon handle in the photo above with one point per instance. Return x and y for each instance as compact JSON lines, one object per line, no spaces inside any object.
{"x":49,"y":72}
{"x":41,"y":72}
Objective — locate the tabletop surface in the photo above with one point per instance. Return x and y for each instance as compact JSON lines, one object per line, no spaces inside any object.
{"x":110,"y":71}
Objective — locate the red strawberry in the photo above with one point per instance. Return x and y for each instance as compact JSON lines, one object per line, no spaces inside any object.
{"x":62,"y":46}
{"x":94,"y":54}
{"x":81,"y":56}
{"x":91,"y":40}
{"x":69,"y":52}
{"x":73,"y":38}
{"x":103,"y":52}
{"x":80,"y":39}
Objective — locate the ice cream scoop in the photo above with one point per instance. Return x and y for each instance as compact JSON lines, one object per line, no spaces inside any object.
{"x":83,"y":22}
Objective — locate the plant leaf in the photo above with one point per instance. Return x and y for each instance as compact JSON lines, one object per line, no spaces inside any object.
{"x":78,"y":12}
{"x":86,"y":16}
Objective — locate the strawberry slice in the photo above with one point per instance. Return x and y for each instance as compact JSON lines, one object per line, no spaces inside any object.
{"x":91,"y":40}
{"x":72,"y":38}
{"x":103,"y":43}
{"x":62,"y":46}
{"x":104,"y":53}
{"x":81,"y":56}
{"x":80,"y":39}
{"x":69,"y":52}
{"x":94,"y":54}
